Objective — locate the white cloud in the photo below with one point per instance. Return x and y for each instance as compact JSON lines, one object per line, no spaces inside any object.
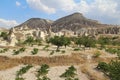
{"x":18,"y":3}
{"x":38,"y":5}
{"x":7,"y":23}
{"x":104,"y":10}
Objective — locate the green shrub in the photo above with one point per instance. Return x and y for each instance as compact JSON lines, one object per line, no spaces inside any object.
{"x":69,"y":74}
{"x":63,"y":51}
{"x":35,"y":51}
{"x":118,"y":54}
{"x":3,"y":50}
{"x":112,"y":69}
{"x":18,"y":78}
{"x":42,"y":72}
{"x":23,"y":70}
{"x":96,"y":55}
{"x":46,"y":46}
{"x":103,"y":66}
{"x":57,"y":50}
{"x":22,"y":49}
{"x":16,"y":52}
{"x":77,"y":49}
{"x":4,"y":35}
{"x":111,"y":50}
{"x":51,"y":53}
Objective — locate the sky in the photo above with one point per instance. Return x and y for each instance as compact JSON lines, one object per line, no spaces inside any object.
{"x":15,"y":12}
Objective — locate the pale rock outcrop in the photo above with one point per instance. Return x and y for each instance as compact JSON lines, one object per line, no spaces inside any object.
{"x":12,"y":38}
{"x":39,"y":34}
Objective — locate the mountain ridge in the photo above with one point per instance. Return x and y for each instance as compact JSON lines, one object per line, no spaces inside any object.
{"x":72,"y":22}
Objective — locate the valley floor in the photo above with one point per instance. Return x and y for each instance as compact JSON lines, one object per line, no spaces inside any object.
{"x":58,"y":62}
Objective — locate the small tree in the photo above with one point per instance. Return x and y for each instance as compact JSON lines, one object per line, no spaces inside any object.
{"x":66,"y":41}
{"x":58,"y":41}
{"x":79,"y":41}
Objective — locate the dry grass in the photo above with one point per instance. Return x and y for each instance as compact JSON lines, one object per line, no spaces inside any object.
{"x":92,"y":73}
{"x":74,"y":59}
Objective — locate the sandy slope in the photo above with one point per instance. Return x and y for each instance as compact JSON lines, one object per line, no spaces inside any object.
{"x":53,"y":74}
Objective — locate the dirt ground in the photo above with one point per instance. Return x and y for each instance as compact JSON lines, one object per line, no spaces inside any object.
{"x":84,"y":61}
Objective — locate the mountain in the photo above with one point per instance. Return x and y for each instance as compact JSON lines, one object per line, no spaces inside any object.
{"x":74,"y":22}
{"x":35,"y":23}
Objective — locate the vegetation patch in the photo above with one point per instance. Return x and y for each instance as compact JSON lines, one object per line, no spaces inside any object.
{"x":42,"y":72}
{"x":16,"y":52}
{"x":22,"y":71}
{"x":111,"y":69}
{"x":69,"y":74}
{"x":35,"y":51}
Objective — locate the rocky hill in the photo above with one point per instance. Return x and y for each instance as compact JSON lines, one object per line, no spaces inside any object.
{"x":75,"y":22}
{"x":35,"y":23}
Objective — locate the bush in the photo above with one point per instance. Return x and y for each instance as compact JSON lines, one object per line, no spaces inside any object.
{"x":77,"y":49}
{"x":51,"y":53}
{"x":23,"y":70}
{"x":57,"y":50}
{"x":18,"y":78}
{"x":35,"y":51}
{"x":3,"y":50}
{"x":118,"y":54}
{"x":103,"y":66}
{"x":42,"y":72}
{"x":111,"y":50}
{"x":69,"y":74}
{"x":97,"y":54}
{"x":46,"y":46}
{"x":4,"y":35}
{"x":63,"y":51}
{"x":22,"y":49}
{"x":111,"y":69}
{"x":16,"y":52}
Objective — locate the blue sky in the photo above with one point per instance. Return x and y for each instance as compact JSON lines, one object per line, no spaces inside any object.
{"x":14,"y":12}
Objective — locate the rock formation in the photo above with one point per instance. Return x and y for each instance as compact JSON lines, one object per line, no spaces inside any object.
{"x":12,"y":38}
{"x":72,"y":25}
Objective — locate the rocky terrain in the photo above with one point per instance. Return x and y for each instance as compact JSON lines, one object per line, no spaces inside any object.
{"x":35,"y":23}
{"x":74,"y":25}
{"x":70,"y":48}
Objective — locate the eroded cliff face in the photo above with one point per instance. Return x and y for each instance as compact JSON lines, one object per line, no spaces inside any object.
{"x":97,"y":31}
